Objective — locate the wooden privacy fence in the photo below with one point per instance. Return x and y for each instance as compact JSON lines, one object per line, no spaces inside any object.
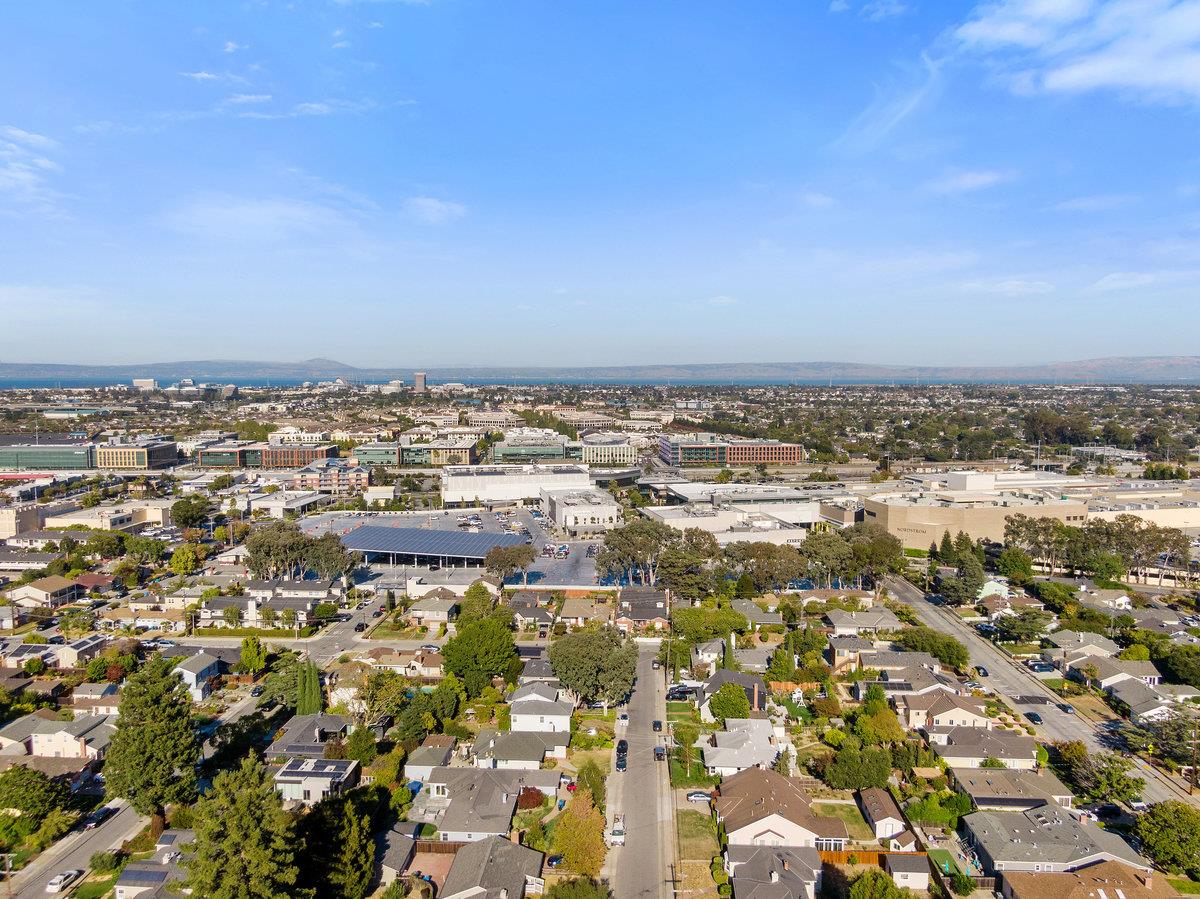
{"x":439,"y":847}
{"x":862,"y":856}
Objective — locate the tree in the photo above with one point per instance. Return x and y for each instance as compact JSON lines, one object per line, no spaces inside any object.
{"x":190,"y":512}
{"x":106,"y":544}
{"x":341,"y":852}
{"x":246,"y":844}
{"x":854,"y":769}
{"x":505,"y":561}
{"x":1170,"y":835}
{"x":476,"y":604}
{"x":254,"y":655}
{"x":942,"y":647}
{"x":479,"y":652}
{"x":1028,"y":624}
{"x":152,"y":757}
{"x":729,"y":702}
{"x":590,"y":777}
{"x":579,"y":836}
{"x":1096,"y":777}
{"x":35,"y":666}
{"x":579,"y":888}
{"x":184,"y":560}
{"x":875,"y":884}
{"x":231,"y":615}
{"x":310,"y":698}
{"x":31,"y":794}
{"x":595,"y":664}
{"x":360,"y":746}
{"x":1015,"y":564}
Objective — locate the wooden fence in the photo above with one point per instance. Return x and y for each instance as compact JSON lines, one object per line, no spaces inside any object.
{"x":439,"y":847}
{"x":861,"y":856}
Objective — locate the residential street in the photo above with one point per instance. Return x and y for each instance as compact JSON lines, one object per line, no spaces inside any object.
{"x":642,"y":867}
{"x":74,"y":851}
{"x":1025,"y":693}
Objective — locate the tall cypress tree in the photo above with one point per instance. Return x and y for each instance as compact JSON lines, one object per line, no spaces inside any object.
{"x":246,"y":843}
{"x":152,"y":758}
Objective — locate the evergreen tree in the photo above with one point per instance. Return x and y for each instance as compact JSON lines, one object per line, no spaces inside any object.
{"x":254,"y":655}
{"x":579,"y":836}
{"x":152,"y":758}
{"x":245,"y":842}
{"x":946,"y":554}
{"x":309,"y":698}
{"x":341,"y":853}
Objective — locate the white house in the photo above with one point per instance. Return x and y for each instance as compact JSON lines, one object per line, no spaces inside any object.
{"x":538,"y":707}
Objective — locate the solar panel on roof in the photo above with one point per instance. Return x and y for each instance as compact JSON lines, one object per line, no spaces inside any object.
{"x":421,"y":542}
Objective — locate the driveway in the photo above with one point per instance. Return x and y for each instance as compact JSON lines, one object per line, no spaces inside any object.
{"x":1017,"y":685}
{"x":642,"y":867}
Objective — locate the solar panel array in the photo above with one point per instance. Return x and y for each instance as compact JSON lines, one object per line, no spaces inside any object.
{"x":423,"y":542}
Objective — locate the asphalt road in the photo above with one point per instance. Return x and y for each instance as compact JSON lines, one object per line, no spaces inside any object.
{"x":642,"y":867}
{"x":1025,"y":693}
{"x":75,"y":850}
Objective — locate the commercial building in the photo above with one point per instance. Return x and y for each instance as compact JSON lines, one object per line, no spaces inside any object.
{"x":263,"y":455}
{"x":494,"y":420}
{"x":20,"y":519}
{"x":140,"y":455}
{"x":123,"y":517}
{"x":423,"y":545}
{"x":715,"y":449}
{"x":732,"y":524}
{"x":436,"y":453}
{"x":608,"y":449}
{"x":469,"y":484}
{"x":920,"y":518}
{"x":331,"y":476}
{"x":581,"y":511}
{"x":387,"y":454}
{"x":48,"y":456}
{"x":292,"y":436}
{"x":418,"y":382}
{"x":528,"y":445}
{"x":146,"y":384}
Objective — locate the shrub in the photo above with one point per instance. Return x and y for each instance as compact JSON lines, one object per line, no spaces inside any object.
{"x":104,"y":862}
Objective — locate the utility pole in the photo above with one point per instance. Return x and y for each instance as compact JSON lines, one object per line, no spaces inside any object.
{"x":8,"y":857}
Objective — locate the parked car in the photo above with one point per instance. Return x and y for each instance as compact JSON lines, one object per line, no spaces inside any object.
{"x":430,"y":647}
{"x":656,"y":726}
{"x":60,"y":882}
{"x":1066,"y":707}
{"x":622,"y":748}
{"x":623,"y":718}
{"x":981,"y":671}
{"x":699,"y":796}
{"x":616,"y":836}
{"x":554,"y":861}
{"x":360,"y":627}
{"x":660,"y":754}
{"x":1139,"y":805}
{"x":256,"y":690}
{"x":98,"y":817}
{"x":1034,"y":717}
{"x":622,"y":764}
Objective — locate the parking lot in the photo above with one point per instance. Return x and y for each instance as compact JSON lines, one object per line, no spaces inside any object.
{"x":577,"y":569}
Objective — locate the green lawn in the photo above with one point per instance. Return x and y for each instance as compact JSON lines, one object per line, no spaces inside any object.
{"x":944,"y":860}
{"x":95,"y":889}
{"x":1185,"y":886}
{"x":388,"y":631}
{"x":681,"y":711}
{"x":856,"y":825}
{"x":697,"y":835}
{"x":695,"y":777}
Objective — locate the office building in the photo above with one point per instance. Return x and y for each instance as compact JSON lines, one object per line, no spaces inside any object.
{"x":48,"y":456}
{"x":140,"y":455}
{"x":419,"y":382}
{"x":716,"y":449}
{"x":146,"y":384}
{"x":386,"y":454}
{"x":607,"y":449}
{"x":331,"y":476}
{"x":459,"y":451}
{"x":494,"y":420}
{"x":19,"y":519}
{"x":291,"y":436}
{"x":581,"y":511}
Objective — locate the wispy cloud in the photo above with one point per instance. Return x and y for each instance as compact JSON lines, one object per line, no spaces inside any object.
{"x":879,"y":10}
{"x":433,"y":211}
{"x":1144,"y":49}
{"x":1095,"y":203}
{"x":232,"y":47}
{"x":967,"y":181}
{"x":722,"y":300}
{"x":313,"y":108}
{"x":1010,"y":287}
{"x":892,"y":104}
{"x":814,"y":199}
{"x":243,"y":99}
{"x":1123,"y":281}
{"x":216,"y":77}
{"x":255,"y":220}
{"x":839,"y":5}
{"x":26,"y":168}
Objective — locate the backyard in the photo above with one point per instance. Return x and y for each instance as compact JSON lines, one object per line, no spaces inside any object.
{"x":697,"y":835}
{"x":848,"y":812}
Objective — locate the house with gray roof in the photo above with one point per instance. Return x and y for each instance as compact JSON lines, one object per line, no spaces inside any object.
{"x":1105,"y":673}
{"x":470,"y":804}
{"x":1066,"y":644}
{"x":774,"y":872}
{"x":197,"y":673}
{"x":755,"y":615}
{"x":494,"y":868}
{"x":519,"y":749}
{"x":754,"y":687}
{"x":1046,"y":839}
{"x":308,"y":780}
{"x":969,"y":747}
{"x":744,"y":743}
{"x":1007,"y":790}
{"x":539,"y":707}
{"x":306,"y":735}
{"x":44,"y":734}
{"x":872,"y":621}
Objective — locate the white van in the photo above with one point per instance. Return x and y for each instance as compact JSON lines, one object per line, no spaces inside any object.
{"x":616,"y":836}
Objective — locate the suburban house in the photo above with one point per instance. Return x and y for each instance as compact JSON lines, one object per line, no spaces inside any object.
{"x":763,"y":808}
{"x":908,"y":871}
{"x":774,"y":872}
{"x":434,"y":752}
{"x":1146,"y":703}
{"x":537,"y":670}
{"x":1046,"y":840}
{"x":309,"y":780}
{"x":642,"y":609}
{"x":471,"y":804}
{"x":754,"y":686}
{"x":197,"y":673}
{"x":160,"y":875}
{"x":970,"y":747}
{"x":940,"y":710}
{"x":1107,"y":879}
{"x":96,"y":699}
{"x":433,"y":610}
{"x":755,"y":615}
{"x":494,"y":868}
{"x":1067,"y":644}
{"x":849,"y":653}
{"x":856,"y":624}
{"x":519,"y":749}
{"x":578,"y":611}
{"x":42,"y":733}
{"x":306,"y":735}
{"x":882,"y":814}
{"x":46,"y":593}
{"x":79,"y":652}
{"x":708,"y":653}
{"x":538,"y":707}
{"x":744,"y":743}
{"x":1105,"y":672}
{"x":1007,"y":790}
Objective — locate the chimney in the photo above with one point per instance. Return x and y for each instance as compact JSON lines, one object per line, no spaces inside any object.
{"x":774,"y":877}
{"x":1147,"y":879}
{"x":754,"y":704}
{"x":503,"y":894}
{"x":786,"y":864}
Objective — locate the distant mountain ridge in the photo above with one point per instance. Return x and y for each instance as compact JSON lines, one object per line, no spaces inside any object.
{"x":1112,"y":370}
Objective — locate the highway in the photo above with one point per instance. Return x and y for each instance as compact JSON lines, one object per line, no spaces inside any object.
{"x":642,"y":867}
{"x":1017,"y":685}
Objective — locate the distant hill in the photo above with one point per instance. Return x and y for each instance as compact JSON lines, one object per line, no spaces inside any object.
{"x":1115,"y":370}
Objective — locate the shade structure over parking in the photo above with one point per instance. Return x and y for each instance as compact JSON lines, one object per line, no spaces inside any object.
{"x":419,"y":546}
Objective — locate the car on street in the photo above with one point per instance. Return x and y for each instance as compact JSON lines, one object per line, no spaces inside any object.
{"x":622,"y":764}
{"x":1066,"y":707}
{"x":980,"y":671}
{"x":616,"y":836}
{"x":660,"y":754}
{"x":360,"y":627}
{"x":623,"y":718}
{"x":166,"y":644}
{"x":430,"y":647}
{"x":98,"y":817}
{"x":622,"y":748}
{"x":60,"y":882}
{"x":1034,"y":717}
{"x":656,"y":726}
{"x":256,"y":691}
{"x":699,"y":796}
{"x":378,"y":613}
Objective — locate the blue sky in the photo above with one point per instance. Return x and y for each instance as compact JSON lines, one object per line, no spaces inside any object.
{"x":560,"y":182}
